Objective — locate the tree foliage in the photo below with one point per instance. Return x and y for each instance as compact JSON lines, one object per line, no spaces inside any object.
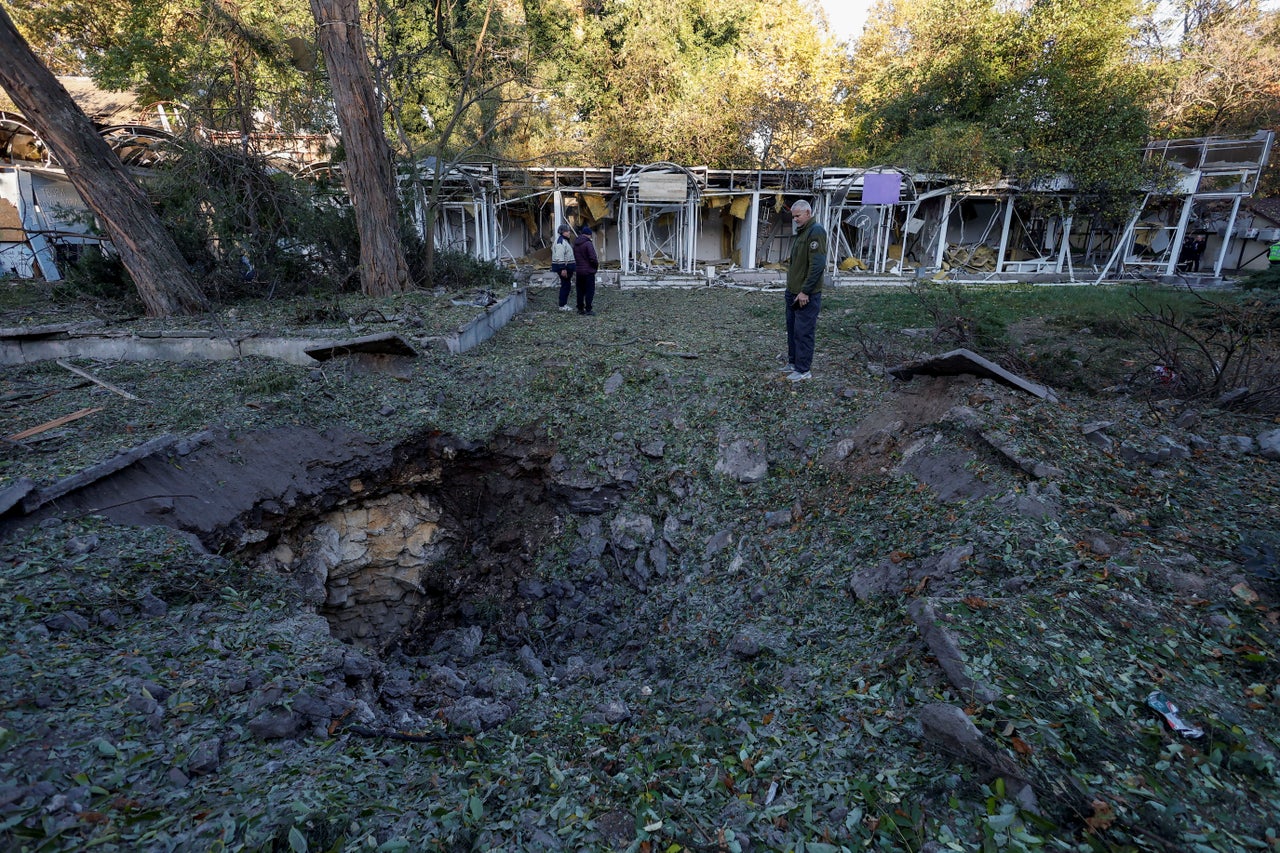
{"x":975,"y":88}
{"x":231,"y":64}
{"x":979,"y":89}
{"x":1222,"y":77}
{"x":722,"y":83}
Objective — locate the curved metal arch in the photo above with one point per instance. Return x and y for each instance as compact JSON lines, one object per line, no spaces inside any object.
{"x":667,"y":166}
{"x":837,"y":202}
{"x":138,"y":145}
{"x":636,"y":232}
{"x":325,"y":169}
{"x":19,"y":142}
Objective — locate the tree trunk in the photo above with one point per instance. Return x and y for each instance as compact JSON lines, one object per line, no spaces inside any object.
{"x":368,"y":170}
{"x":147,"y":251}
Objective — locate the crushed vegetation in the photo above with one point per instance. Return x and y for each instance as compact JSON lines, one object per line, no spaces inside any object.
{"x":852,"y":614}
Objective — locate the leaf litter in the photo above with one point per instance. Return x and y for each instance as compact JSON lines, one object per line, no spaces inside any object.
{"x":763,"y":692}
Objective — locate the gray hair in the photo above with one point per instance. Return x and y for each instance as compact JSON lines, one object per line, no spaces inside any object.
{"x":801,"y":205}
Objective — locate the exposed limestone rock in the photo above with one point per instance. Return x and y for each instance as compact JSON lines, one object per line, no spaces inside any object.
{"x":364,"y":565}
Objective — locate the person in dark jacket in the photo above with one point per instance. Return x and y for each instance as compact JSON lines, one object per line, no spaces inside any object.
{"x":586,"y":264}
{"x":804,"y":290}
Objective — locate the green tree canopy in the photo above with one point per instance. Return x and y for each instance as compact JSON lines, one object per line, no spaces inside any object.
{"x":978,"y":88}
{"x":235,"y":64}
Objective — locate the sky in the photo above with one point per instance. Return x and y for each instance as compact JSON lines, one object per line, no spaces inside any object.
{"x":846,"y":16}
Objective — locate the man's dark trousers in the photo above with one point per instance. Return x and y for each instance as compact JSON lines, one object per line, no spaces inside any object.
{"x":801,"y":325}
{"x":586,"y":291}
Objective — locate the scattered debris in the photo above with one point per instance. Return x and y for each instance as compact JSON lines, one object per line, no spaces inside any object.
{"x":1165,"y":707}
{"x":963,"y":361}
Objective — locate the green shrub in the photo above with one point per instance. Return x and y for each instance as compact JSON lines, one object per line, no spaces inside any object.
{"x":1268,"y":279}
{"x":99,"y":277}
{"x":250,"y":230}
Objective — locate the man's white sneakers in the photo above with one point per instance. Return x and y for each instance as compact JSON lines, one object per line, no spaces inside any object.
{"x":797,"y":376}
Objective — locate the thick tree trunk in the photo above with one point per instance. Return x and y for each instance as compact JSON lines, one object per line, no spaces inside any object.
{"x":368,"y":170}
{"x":146,"y":249}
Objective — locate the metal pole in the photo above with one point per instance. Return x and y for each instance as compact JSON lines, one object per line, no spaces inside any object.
{"x":1226,"y":238}
{"x":691,"y":235}
{"x":753,"y":229}
{"x":1179,"y":234}
{"x":942,"y":232}
{"x":624,"y":233}
{"x":1122,"y":246}
{"x":1064,"y":249}
{"x":1004,"y":232}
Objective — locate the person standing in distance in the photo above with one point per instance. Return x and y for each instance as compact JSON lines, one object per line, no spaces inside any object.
{"x":584,"y":255}
{"x":804,"y":290}
{"x":563,"y":264}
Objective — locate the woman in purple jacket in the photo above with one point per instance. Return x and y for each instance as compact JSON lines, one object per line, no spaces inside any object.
{"x":586,"y":263}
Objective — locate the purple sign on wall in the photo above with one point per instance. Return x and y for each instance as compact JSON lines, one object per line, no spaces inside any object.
{"x":883,"y":188}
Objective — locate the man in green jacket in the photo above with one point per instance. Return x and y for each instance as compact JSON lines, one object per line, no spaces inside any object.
{"x":1274,"y":255}
{"x":804,"y":290}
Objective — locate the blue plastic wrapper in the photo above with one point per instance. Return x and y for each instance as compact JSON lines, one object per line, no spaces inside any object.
{"x":1164,"y":706}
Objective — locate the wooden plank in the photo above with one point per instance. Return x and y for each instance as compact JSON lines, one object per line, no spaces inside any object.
{"x":56,"y":422}
{"x":95,"y":380}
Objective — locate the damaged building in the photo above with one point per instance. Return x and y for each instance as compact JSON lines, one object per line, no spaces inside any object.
{"x":669,"y":224}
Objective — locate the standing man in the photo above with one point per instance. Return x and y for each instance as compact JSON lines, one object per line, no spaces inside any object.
{"x":1273,"y":255}
{"x":804,"y":290}
{"x":586,"y":263}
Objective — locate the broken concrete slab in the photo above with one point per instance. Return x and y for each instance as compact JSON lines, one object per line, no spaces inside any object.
{"x":479,"y":330}
{"x":33,"y":501}
{"x":219,"y":481}
{"x":12,"y":494}
{"x":187,"y":345}
{"x":383,"y":343}
{"x":49,"y":330}
{"x":125,"y":346}
{"x":951,"y":729}
{"x":963,"y":361}
{"x":894,"y":576}
{"x":949,"y":475}
{"x":1009,"y":451}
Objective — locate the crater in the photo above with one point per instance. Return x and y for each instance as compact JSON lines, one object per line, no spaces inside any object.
{"x":391,"y":542}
